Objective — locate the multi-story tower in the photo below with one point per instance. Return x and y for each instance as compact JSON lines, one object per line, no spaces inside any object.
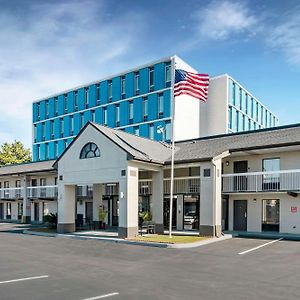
{"x":231,"y":108}
{"x":138,"y":101}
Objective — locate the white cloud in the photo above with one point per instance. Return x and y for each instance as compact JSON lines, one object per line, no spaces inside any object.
{"x":285,"y":36}
{"x":55,"y":46}
{"x":221,"y":20}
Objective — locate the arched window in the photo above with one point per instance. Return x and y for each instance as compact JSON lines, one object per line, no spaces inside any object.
{"x":90,"y":150}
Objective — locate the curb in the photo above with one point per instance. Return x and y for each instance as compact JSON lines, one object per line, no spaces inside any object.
{"x":129,"y":242}
{"x":30,"y":232}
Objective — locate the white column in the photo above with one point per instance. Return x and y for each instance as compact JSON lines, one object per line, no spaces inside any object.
{"x":210,"y":199}
{"x":158,"y":200}
{"x":41,"y":207}
{"x":128,"y":203}
{"x":66,"y":208}
{"x":97,"y":203}
{"x":26,"y":202}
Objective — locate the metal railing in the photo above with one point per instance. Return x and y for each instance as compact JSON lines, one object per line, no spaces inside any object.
{"x":11,"y":193}
{"x":183,"y":185}
{"x":84,"y":191}
{"x":285,"y":180}
{"x":46,"y":192}
{"x":145,"y":187}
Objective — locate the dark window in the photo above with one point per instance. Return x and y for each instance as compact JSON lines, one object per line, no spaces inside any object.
{"x":206,"y":172}
{"x":90,"y":150}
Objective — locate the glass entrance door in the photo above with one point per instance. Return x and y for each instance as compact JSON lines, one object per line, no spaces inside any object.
{"x":191,"y":206}
{"x":271,"y":215}
{"x":167,"y":213}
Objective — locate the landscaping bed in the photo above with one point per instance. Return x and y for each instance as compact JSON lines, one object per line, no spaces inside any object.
{"x":175,"y":239}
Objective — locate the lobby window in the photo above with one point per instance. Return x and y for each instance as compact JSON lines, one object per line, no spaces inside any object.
{"x":262,"y":115}
{"x":266,"y":118}
{"x":160,"y":105}
{"x":55,"y":106}
{"x":168,"y":74}
{"x":98,"y":94}
{"x":109,"y":91}
{"x":168,"y":132}
{"x":61,"y":127}
{"x":90,"y":150}
{"x":43,"y":131}
{"x":136,"y":130}
{"x":151,"y":79}
{"x":71,"y":125}
{"x":257,"y":110}
{"x":252,"y":108}
{"x":130,"y":112}
{"x":65,"y":103}
{"x":47,"y":108}
{"x":151,"y":131}
{"x":46,"y":151}
{"x":65,"y":144}
{"x":52,"y":129}
{"x":271,"y":214}
{"x":92,"y":115}
{"x":145,"y":108}
{"x":246,"y":104}
{"x":117,"y":111}
{"x":243,"y":123}
{"x":136,"y":83}
{"x":86,"y":97}
{"x":249,"y":124}
{"x":38,"y":111}
{"x":75,"y":100}
{"x":104,"y":116}
{"x":270,"y":120}
{"x":123,"y":87}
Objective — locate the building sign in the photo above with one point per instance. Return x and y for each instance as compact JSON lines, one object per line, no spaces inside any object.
{"x":294,"y":209}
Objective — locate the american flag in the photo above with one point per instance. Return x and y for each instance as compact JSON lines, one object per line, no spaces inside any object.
{"x":192,"y":84}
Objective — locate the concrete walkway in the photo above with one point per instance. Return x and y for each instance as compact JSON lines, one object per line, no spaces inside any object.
{"x":265,"y":235}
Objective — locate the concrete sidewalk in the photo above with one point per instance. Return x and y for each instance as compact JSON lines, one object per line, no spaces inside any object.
{"x":265,"y":235}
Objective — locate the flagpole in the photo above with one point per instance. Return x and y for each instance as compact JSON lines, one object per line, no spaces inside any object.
{"x":173,"y":145}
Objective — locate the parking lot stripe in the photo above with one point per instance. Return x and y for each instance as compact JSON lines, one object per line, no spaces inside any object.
{"x":258,"y":247}
{"x":102,"y":296}
{"x":24,"y":279}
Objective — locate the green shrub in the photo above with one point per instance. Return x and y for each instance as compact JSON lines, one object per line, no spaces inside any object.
{"x":51,"y":220}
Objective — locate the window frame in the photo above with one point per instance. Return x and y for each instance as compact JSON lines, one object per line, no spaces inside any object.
{"x":87,"y":148}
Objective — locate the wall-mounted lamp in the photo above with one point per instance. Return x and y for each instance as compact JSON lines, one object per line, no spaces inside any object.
{"x":227,"y":163}
{"x":254,"y":200}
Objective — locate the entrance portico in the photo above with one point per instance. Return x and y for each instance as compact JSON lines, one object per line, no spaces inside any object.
{"x":95,"y":158}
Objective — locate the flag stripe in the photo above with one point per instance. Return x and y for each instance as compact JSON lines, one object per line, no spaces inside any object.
{"x":192,"y":84}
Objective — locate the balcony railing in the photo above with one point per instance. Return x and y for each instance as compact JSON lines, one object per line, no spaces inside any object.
{"x":183,"y":185}
{"x":11,"y":193}
{"x":42,"y":192}
{"x":280,"y":181}
{"x":84,"y":191}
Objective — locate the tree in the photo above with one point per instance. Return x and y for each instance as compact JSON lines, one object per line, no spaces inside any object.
{"x":14,"y":153}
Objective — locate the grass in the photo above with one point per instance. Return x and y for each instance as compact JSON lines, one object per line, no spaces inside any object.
{"x":175,"y":239}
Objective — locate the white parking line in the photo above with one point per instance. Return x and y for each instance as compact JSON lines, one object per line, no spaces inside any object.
{"x":102,"y":296}
{"x":24,"y":279}
{"x":263,"y":245}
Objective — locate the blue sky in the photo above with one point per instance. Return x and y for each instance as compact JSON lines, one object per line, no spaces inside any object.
{"x":49,"y":46}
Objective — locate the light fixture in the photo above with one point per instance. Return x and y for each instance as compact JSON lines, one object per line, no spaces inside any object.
{"x":227,"y":163}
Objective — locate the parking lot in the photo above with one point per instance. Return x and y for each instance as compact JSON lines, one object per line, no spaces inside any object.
{"x":33,"y":267}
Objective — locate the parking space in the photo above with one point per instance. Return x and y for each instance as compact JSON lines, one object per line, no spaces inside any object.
{"x":86,"y":269}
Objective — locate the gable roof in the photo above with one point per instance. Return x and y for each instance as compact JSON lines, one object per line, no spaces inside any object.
{"x":136,"y":147}
{"x":208,"y":147}
{"x":30,"y":167}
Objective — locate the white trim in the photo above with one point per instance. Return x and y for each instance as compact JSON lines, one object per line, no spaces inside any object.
{"x":102,"y":105}
{"x":164,"y":59}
